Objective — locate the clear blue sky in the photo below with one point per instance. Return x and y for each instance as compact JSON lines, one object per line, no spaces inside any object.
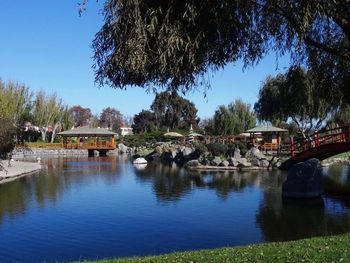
{"x":46,"y":45}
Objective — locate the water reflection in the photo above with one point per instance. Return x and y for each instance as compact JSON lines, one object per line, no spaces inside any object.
{"x":169,"y":182}
{"x":116,"y":204}
{"x":290,"y":219}
{"x":58,"y":176}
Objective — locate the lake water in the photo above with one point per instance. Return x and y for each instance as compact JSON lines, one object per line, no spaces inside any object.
{"x":102,"y":207}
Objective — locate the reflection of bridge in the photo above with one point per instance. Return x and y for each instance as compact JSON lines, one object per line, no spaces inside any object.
{"x":320,"y":145}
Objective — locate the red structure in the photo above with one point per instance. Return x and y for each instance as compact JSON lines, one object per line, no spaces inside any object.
{"x":321,"y":145}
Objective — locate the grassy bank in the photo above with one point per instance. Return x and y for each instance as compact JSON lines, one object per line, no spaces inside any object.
{"x":320,"y":249}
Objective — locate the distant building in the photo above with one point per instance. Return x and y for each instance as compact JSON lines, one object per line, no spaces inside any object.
{"x":126,"y":131}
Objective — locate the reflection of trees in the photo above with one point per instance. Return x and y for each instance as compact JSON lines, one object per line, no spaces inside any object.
{"x":61,"y":175}
{"x":337,"y":181}
{"x":294,"y":219}
{"x":169,"y":182}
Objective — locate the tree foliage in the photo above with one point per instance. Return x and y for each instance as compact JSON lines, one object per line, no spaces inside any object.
{"x":233,"y":119}
{"x":80,"y":115}
{"x":49,"y":112}
{"x":297,"y":95}
{"x":144,"y":122}
{"x":174,"y":43}
{"x":111,"y":119}
{"x":174,"y":112}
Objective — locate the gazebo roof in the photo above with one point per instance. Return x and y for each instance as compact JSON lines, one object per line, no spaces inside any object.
{"x":86,"y":132}
{"x":266,"y":129}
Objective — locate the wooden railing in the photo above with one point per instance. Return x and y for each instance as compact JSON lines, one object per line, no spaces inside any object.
{"x":317,"y":139}
{"x":90,"y":145}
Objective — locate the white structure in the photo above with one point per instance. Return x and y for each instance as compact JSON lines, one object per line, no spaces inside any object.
{"x":126,"y":131}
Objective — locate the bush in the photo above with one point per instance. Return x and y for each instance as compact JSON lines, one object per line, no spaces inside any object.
{"x":217,"y":149}
{"x":242,"y":146}
{"x":200,"y":148}
{"x":145,"y":139}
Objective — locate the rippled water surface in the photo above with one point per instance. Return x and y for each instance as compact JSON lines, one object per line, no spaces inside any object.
{"x":90,"y":208}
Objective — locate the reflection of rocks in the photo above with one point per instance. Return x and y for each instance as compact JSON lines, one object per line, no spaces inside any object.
{"x":304,"y":180}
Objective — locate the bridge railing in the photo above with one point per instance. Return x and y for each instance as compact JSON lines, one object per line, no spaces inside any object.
{"x":336,"y":135}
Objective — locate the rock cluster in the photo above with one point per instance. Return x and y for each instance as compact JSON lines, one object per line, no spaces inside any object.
{"x":253,"y":158}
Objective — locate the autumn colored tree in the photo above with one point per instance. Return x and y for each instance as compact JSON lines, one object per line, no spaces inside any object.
{"x":81,"y":116}
{"x":111,"y":119}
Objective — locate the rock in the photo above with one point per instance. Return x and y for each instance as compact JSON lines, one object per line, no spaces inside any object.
{"x":139,"y":160}
{"x":122,"y":148}
{"x":216,"y":161}
{"x":264,"y":163}
{"x":237,"y":153}
{"x":255,"y":153}
{"x":255,"y":162}
{"x":243,"y":162}
{"x":173,"y":153}
{"x":224,"y":163}
{"x":192,"y":163}
{"x":205,"y":161}
{"x":233,"y":161}
{"x":304,"y":180}
{"x":187,"y":151}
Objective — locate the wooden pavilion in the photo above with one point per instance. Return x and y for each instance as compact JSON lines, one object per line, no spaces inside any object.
{"x":270,"y":137}
{"x":90,"y":139}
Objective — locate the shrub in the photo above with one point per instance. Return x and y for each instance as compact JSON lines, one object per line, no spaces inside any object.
{"x":200,"y":148}
{"x":242,"y":146}
{"x":217,"y":149}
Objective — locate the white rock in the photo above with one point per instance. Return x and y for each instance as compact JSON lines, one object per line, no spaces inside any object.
{"x":140,"y":160}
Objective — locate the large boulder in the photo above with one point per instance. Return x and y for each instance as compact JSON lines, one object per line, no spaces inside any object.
{"x":216,"y":161}
{"x":304,"y":180}
{"x":237,"y":153}
{"x":243,"y":162}
{"x":255,"y":162}
{"x":123,"y":148}
{"x":255,"y":153}
{"x":233,"y":161}
{"x":224,"y":163}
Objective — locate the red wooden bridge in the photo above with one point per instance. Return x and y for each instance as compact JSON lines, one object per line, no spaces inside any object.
{"x":320,"y":145}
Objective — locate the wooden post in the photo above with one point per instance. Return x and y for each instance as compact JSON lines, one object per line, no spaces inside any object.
{"x":292,"y":146}
{"x":318,"y":139}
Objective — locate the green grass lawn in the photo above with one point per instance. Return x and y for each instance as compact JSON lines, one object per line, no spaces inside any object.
{"x":320,"y":249}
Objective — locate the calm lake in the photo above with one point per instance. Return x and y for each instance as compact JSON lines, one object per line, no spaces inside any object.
{"x":103,"y":207}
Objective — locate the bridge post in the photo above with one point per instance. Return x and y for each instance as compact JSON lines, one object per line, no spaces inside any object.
{"x":318,"y":139}
{"x":292,"y":146}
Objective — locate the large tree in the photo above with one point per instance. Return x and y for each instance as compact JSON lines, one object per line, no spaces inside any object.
{"x":234,"y":119}
{"x":174,"y":43}
{"x":174,"y":112}
{"x":49,"y":113}
{"x":80,"y":115}
{"x":111,"y":119}
{"x":145,"y":121}
{"x":296,"y":95}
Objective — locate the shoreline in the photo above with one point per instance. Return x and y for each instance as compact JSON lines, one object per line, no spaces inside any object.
{"x":17,"y":170}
